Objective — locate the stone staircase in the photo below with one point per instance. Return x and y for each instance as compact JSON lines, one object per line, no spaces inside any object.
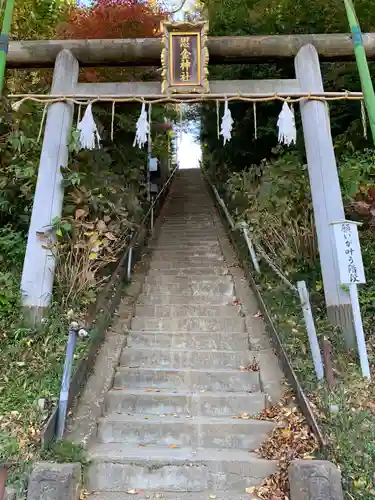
{"x":189,"y":367}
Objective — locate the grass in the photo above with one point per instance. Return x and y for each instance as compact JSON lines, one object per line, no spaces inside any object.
{"x":64,"y":452}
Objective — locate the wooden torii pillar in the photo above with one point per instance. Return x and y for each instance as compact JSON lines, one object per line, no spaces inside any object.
{"x":325,"y":187}
{"x":39,"y":264}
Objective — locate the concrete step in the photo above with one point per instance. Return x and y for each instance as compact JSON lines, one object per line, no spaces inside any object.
{"x":199,"y":229}
{"x":203,"y":225}
{"x":187,"y":380}
{"x":187,"y":310}
{"x":198,"y":432}
{"x":190,"y":271}
{"x":221,"y":341}
{"x":114,"y":468}
{"x":175,"y":245}
{"x":188,"y":324}
{"x":165,"y":495}
{"x":184,"y":299}
{"x":183,"y":264}
{"x":193,"y":205}
{"x":189,"y":253}
{"x":187,"y":240}
{"x":203,"y":214}
{"x":185,"y":280}
{"x":185,"y":358}
{"x":216,"y":404}
{"x":196,"y":289}
{"x":186,"y":234}
{"x":181,"y":258}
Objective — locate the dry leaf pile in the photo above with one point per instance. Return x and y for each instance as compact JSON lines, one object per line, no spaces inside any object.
{"x":291,"y":439}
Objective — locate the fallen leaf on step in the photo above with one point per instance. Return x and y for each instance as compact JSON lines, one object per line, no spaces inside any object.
{"x":250,"y":490}
{"x":245,"y":416}
{"x":149,"y":390}
{"x":173,"y":446}
{"x":213,"y":497}
{"x":141,"y":444}
{"x":253,"y":366}
{"x":135,"y":492}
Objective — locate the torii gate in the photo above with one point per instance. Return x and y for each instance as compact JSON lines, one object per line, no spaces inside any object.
{"x":67,"y":56}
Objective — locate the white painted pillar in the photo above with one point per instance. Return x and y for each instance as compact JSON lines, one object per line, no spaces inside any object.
{"x":325,"y":187}
{"x":39,"y":264}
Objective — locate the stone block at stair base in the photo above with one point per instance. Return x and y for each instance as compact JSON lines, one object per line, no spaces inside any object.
{"x":50,"y":481}
{"x":314,"y":480}
{"x":10,"y":494}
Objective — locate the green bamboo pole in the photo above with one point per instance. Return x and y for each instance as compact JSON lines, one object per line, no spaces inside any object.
{"x":362,"y":65}
{"x":4,"y":40}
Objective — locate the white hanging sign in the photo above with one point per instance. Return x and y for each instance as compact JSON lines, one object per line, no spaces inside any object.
{"x":153,"y":164}
{"x":287,"y":126}
{"x":226,"y":124}
{"x":143,"y":128}
{"x":349,"y":254}
{"x":89,"y":137}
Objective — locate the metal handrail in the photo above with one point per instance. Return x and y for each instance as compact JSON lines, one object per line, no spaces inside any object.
{"x":74,"y":329}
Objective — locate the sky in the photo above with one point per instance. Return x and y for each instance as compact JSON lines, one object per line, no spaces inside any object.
{"x":189,"y":151}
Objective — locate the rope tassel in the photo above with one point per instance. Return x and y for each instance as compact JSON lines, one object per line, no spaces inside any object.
{"x":143,"y":128}
{"x":226,"y":124}
{"x":89,"y":137}
{"x":287,"y":126}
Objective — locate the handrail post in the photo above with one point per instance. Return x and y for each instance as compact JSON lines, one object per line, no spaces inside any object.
{"x":251,"y":249}
{"x":245,"y":230}
{"x":65,"y":384}
{"x":311,"y":331}
{"x":129,"y":268}
{"x":152,"y":218}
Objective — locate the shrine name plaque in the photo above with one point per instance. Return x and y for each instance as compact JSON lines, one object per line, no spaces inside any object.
{"x":184,"y":58}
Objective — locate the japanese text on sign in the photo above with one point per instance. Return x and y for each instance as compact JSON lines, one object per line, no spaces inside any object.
{"x":185,"y":55}
{"x":349,"y":253}
{"x":184,"y":63}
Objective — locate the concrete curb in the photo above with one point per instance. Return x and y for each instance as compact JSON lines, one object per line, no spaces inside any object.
{"x":270,"y":370}
{"x":314,"y":480}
